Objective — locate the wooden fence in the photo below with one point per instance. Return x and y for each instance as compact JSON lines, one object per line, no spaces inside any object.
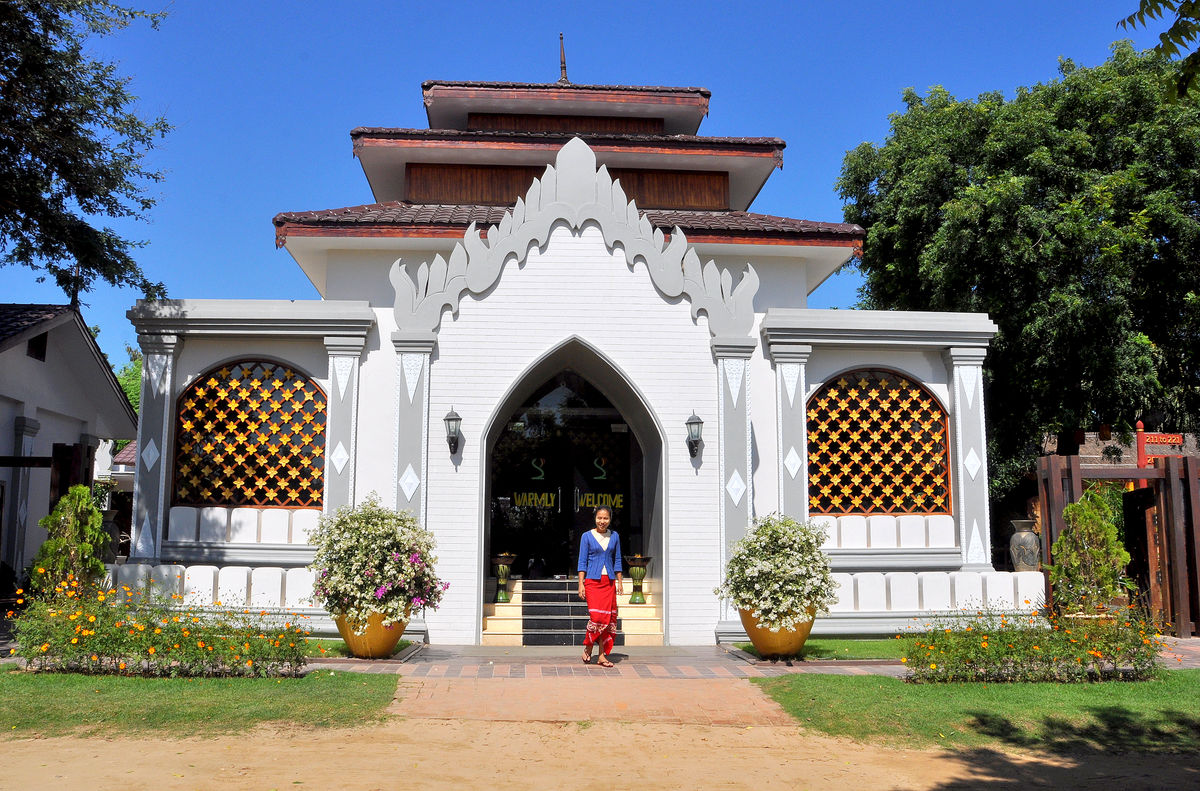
{"x":1168,"y":562}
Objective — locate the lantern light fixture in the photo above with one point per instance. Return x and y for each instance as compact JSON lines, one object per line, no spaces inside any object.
{"x":453,"y":423}
{"x":695,"y":426}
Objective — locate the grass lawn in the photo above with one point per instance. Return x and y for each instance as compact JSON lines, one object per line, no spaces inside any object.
{"x":52,"y":704}
{"x":841,"y":648}
{"x":335,"y":647}
{"x":1150,"y":716}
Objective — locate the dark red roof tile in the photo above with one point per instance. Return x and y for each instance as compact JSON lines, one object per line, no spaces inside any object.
{"x":16,"y":318}
{"x":402,"y":213}
{"x":680,"y":141}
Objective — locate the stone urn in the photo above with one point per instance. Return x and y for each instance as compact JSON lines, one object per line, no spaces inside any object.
{"x":771,"y":643}
{"x":1025,"y":546}
{"x":377,"y":641}
{"x":637,"y":572}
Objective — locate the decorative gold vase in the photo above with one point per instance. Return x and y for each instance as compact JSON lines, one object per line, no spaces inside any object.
{"x":378,"y":641}
{"x":787,"y":642}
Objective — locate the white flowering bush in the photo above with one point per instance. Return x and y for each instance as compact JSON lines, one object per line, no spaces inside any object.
{"x":778,"y":572}
{"x":372,"y":559}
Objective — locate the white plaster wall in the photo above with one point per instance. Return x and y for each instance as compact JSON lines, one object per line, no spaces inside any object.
{"x":198,"y":355}
{"x":575,"y":287}
{"x":764,"y":427}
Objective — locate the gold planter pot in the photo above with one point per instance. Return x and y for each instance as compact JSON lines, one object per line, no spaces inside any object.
{"x":377,"y":641}
{"x":777,"y":643}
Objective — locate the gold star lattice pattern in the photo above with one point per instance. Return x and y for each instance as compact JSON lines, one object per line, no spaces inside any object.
{"x":250,"y":433}
{"x":877,"y":443}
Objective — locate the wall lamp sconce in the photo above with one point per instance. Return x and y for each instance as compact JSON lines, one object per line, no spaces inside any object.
{"x":453,"y":422}
{"x":695,"y":426}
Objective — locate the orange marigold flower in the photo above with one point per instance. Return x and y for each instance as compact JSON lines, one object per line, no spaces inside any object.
{"x":121,"y":666}
{"x":150,"y":649}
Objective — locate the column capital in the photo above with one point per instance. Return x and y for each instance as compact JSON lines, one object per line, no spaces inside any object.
{"x":414,"y":342}
{"x":345,"y":345}
{"x":26,"y":426}
{"x":964,"y":355}
{"x":727,"y":347}
{"x":789,"y":352}
{"x":159,"y":343}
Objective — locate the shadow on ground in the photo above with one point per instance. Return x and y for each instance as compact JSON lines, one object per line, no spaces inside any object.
{"x":1116,"y":748}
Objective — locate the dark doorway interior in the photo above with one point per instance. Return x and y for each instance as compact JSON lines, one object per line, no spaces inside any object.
{"x":563,"y":452}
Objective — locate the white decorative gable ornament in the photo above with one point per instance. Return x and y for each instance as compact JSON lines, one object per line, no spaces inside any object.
{"x":575,"y":191}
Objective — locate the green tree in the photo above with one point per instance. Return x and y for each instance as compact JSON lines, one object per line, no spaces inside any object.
{"x":72,"y":147}
{"x":74,"y":544}
{"x":1069,"y":214}
{"x":1182,"y":33}
{"x":130,"y":377}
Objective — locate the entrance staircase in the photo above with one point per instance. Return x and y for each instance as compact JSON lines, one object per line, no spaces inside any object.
{"x":550,"y":612}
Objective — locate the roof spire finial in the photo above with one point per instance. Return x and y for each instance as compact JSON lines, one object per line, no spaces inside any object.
{"x":562,"y":62}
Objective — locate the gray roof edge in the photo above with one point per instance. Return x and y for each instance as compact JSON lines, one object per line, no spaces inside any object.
{"x":877,"y":327}
{"x":279,"y":317}
{"x":37,"y":329}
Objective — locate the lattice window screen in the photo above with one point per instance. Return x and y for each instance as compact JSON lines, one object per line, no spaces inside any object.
{"x":250,"y":433}
{"x":877,"y":443}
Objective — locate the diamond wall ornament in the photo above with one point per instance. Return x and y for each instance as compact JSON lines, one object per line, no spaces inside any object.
{"x":972,"y":463}
{"x":339,"y":457}
{"x":970,"y":380}
{"x":341,"y":369}
{"x":23,"y":513}
{"x":735,"y":371}
{"x":975,"y":553}
{"x":412,"y":365}
{"x":736,"y":488}
{"x":156,"y":369}
{"x":150,"y":454}
{"x":409,"y":482}
{"x":791,"y":378}
{"x":145,"y":540}
{"x":792,"y":462}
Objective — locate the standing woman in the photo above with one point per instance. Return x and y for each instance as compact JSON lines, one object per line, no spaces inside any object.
{"x":599,"y":559}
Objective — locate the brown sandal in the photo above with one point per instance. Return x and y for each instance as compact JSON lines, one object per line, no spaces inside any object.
{"x":587,"y":657}
{"x":604,"y":662}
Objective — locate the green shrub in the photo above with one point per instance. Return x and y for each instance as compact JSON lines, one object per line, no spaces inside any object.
{"x":132,"y":632}
{"x":74,"y":544}
{"x":998,"y":647}
{"x":1089,"y":559}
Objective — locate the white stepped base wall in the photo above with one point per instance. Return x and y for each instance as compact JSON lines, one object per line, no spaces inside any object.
{"x":869,"y":603}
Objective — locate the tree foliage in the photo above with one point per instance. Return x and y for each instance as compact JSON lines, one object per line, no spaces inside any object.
{"x":1069,"y":214}
{"x":1182,"y":34}
{"x":71,"y":146}
{"x":74,"y":545}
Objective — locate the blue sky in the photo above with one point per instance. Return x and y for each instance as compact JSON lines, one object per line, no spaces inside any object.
{"x":263,"y":97}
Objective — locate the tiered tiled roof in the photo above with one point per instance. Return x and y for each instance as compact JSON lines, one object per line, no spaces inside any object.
{"x":402,"y":214}
{"x":17,"y":318}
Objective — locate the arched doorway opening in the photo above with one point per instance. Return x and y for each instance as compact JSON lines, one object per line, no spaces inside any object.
{"x":564,"y":451}
{"x":573,"y":433}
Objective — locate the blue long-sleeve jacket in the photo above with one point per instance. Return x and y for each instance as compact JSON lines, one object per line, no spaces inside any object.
{"x":592,"y":558}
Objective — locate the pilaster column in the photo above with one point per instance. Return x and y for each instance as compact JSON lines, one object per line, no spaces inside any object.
{"x":151,"y":497}
{"x":970,"y":454}
{"x":733,"y":432}
{"x":24,"y":430}
{"x":341,"y":419}
{"x":413,"y":350}
{"x":791,"y":385}
{"x":87,"y":459}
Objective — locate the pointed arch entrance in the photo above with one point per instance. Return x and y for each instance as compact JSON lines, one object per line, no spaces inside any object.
{"x":572,"y":433}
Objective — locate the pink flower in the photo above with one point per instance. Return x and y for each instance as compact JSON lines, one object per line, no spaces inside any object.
{"x":380,"y":591}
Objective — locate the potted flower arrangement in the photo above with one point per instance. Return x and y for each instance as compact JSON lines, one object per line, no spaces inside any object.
{"x":372,"y":566}
{"x":780,"y":580}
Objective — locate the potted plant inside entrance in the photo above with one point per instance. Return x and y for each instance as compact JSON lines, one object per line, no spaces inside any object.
{"x":372,"y":566}
{"x":1088,"y":574}
{"x":780,"y":580}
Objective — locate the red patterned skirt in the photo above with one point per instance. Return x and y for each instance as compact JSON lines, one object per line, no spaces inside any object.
{"x":601,"y":597}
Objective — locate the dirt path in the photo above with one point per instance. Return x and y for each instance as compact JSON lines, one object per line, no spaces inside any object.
{"x":469,"y":754}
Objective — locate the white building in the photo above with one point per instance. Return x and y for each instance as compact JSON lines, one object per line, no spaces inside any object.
{"x":573,"y":272}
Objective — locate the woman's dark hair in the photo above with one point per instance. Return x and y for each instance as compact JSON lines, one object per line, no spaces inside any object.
{"x":600,"y":508}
